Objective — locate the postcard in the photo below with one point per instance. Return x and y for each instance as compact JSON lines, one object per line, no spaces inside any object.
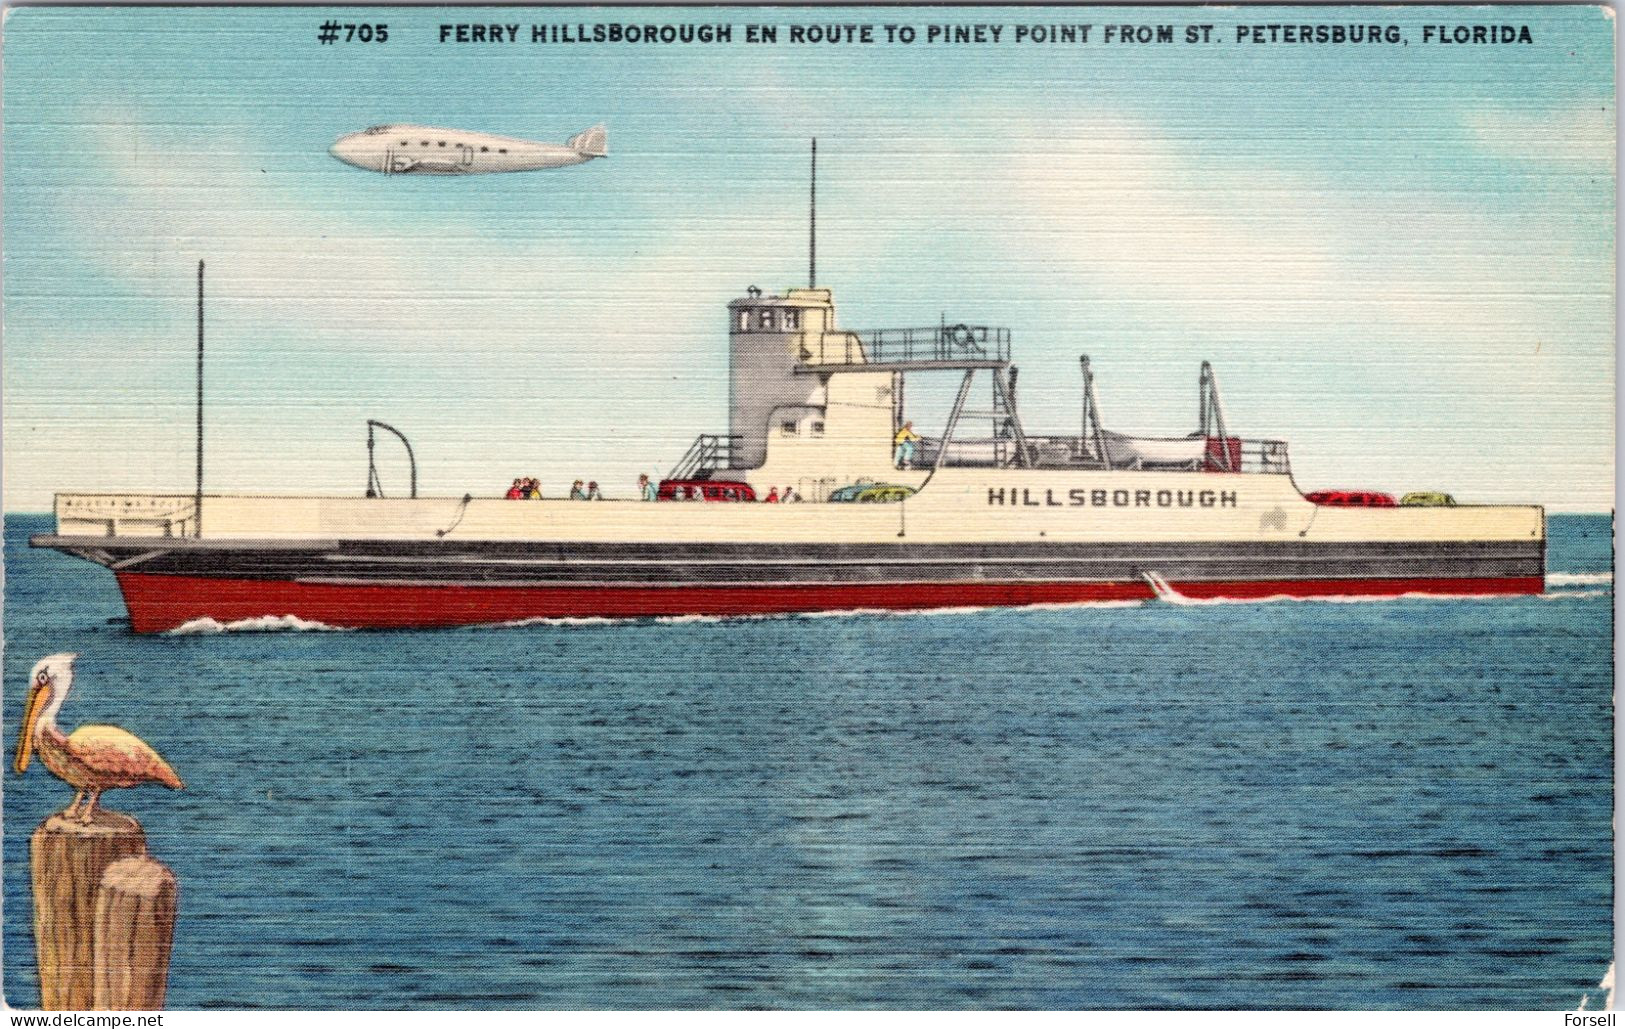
{"x":714,"y":507}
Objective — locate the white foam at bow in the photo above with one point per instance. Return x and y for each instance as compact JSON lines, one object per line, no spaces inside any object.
{"x":263,"y":623}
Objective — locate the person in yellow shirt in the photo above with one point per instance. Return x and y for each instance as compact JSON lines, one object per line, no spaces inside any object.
{"x":905,"y":440}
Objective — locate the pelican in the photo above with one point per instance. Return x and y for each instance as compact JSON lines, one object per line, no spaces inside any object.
{"x":95,"y":757}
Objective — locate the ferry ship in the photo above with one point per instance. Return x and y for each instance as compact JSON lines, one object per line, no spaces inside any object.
{"x":985,"y":516}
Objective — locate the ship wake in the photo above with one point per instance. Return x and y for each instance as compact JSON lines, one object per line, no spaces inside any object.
{"x":1574,"y":594}
{"x":1579,"y":579}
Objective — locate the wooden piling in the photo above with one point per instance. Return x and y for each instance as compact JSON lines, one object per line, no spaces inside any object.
{"x":104,"y":915}
{"x":68,"y":860}
{"x":134,"y":927}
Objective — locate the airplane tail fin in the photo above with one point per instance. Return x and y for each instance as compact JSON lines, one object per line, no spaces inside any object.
{"x":592,"y":143}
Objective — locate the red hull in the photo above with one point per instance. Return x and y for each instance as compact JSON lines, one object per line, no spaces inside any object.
{"x":160,"y":602}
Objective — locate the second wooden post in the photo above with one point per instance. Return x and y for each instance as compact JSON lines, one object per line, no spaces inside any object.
{"x":135,"y":925}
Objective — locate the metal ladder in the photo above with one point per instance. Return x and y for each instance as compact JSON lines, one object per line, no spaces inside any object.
{"x":708,"y":454}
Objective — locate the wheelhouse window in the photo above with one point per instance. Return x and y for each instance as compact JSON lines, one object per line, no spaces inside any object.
{"x":764,"y":319}
{"x":792,"y":318}
{"x":787,"y":428}
{"x":744,"y":320}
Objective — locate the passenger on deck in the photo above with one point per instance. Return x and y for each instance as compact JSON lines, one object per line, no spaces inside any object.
{"x":905,"y":439}
{"x":772,"y":496}
{"x":592,"y":492}
{"x":576,"y":492}
{"x":646,"y":489}
{"x":535,"y":489}
{"x":791,"y":496}
{"x":516,"y":491}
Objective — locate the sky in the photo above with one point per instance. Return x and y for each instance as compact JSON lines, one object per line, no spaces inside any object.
{"x":1399,"y":258}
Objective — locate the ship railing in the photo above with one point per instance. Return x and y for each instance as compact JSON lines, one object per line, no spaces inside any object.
{"x":934,"y":344}
{"x":709,"y":453}
{"x":1261,"y":457}
{"x":115,"y":514}
{"x":1265,"y":456}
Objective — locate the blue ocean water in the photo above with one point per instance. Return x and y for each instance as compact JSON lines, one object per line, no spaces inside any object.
{"x":1396,"y":804}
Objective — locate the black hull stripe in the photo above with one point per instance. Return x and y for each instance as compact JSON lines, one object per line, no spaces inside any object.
{"x":532,"y":564}
{"x":1096,"y":570}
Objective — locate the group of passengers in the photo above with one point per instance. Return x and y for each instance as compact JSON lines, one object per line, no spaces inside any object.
{"x":729,"y":491}
{"x":531,"y":489}
{"x":525,"y":489}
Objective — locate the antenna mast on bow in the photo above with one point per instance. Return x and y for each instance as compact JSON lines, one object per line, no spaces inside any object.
{"x":812,"y":223}
{"x":197,"y":496}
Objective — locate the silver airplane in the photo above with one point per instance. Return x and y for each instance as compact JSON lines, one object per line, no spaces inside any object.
{"x":424,"y":150}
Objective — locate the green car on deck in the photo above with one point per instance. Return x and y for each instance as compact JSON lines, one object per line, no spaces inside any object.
{"x":1427,"y":499}
{"x":884,"y":494}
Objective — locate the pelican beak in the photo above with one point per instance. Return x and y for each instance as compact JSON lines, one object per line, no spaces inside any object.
{"x":25,"y":734}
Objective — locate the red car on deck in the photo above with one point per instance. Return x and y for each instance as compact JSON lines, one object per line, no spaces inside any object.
{"x":1349,"y":498}
{"x":714,"y":490}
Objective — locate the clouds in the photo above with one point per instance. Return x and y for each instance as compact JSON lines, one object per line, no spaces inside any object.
{"x":1406,"y":273}
{"x":476,"y":333}
{"x":1580,"y":139}
{"x":1222,"y":239}
{"x":1387,"y":329}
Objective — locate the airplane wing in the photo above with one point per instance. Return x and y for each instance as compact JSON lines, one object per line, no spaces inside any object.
{"x":433,"y":167}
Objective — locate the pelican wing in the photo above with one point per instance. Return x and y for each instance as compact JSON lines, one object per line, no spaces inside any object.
{"x":110,"y":751}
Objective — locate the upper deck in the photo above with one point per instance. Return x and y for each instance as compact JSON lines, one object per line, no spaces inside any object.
{"x":932,"y":348}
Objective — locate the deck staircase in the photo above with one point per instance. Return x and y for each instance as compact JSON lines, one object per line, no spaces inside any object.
{"x":710,"y":453}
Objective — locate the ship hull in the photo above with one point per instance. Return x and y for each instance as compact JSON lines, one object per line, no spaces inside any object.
{"x":167,"y":583}
{"x":158,"y":602}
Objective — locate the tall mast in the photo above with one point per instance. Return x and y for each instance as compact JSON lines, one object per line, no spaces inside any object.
{"x":197,"y":499}
{"x":812,"y":223}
